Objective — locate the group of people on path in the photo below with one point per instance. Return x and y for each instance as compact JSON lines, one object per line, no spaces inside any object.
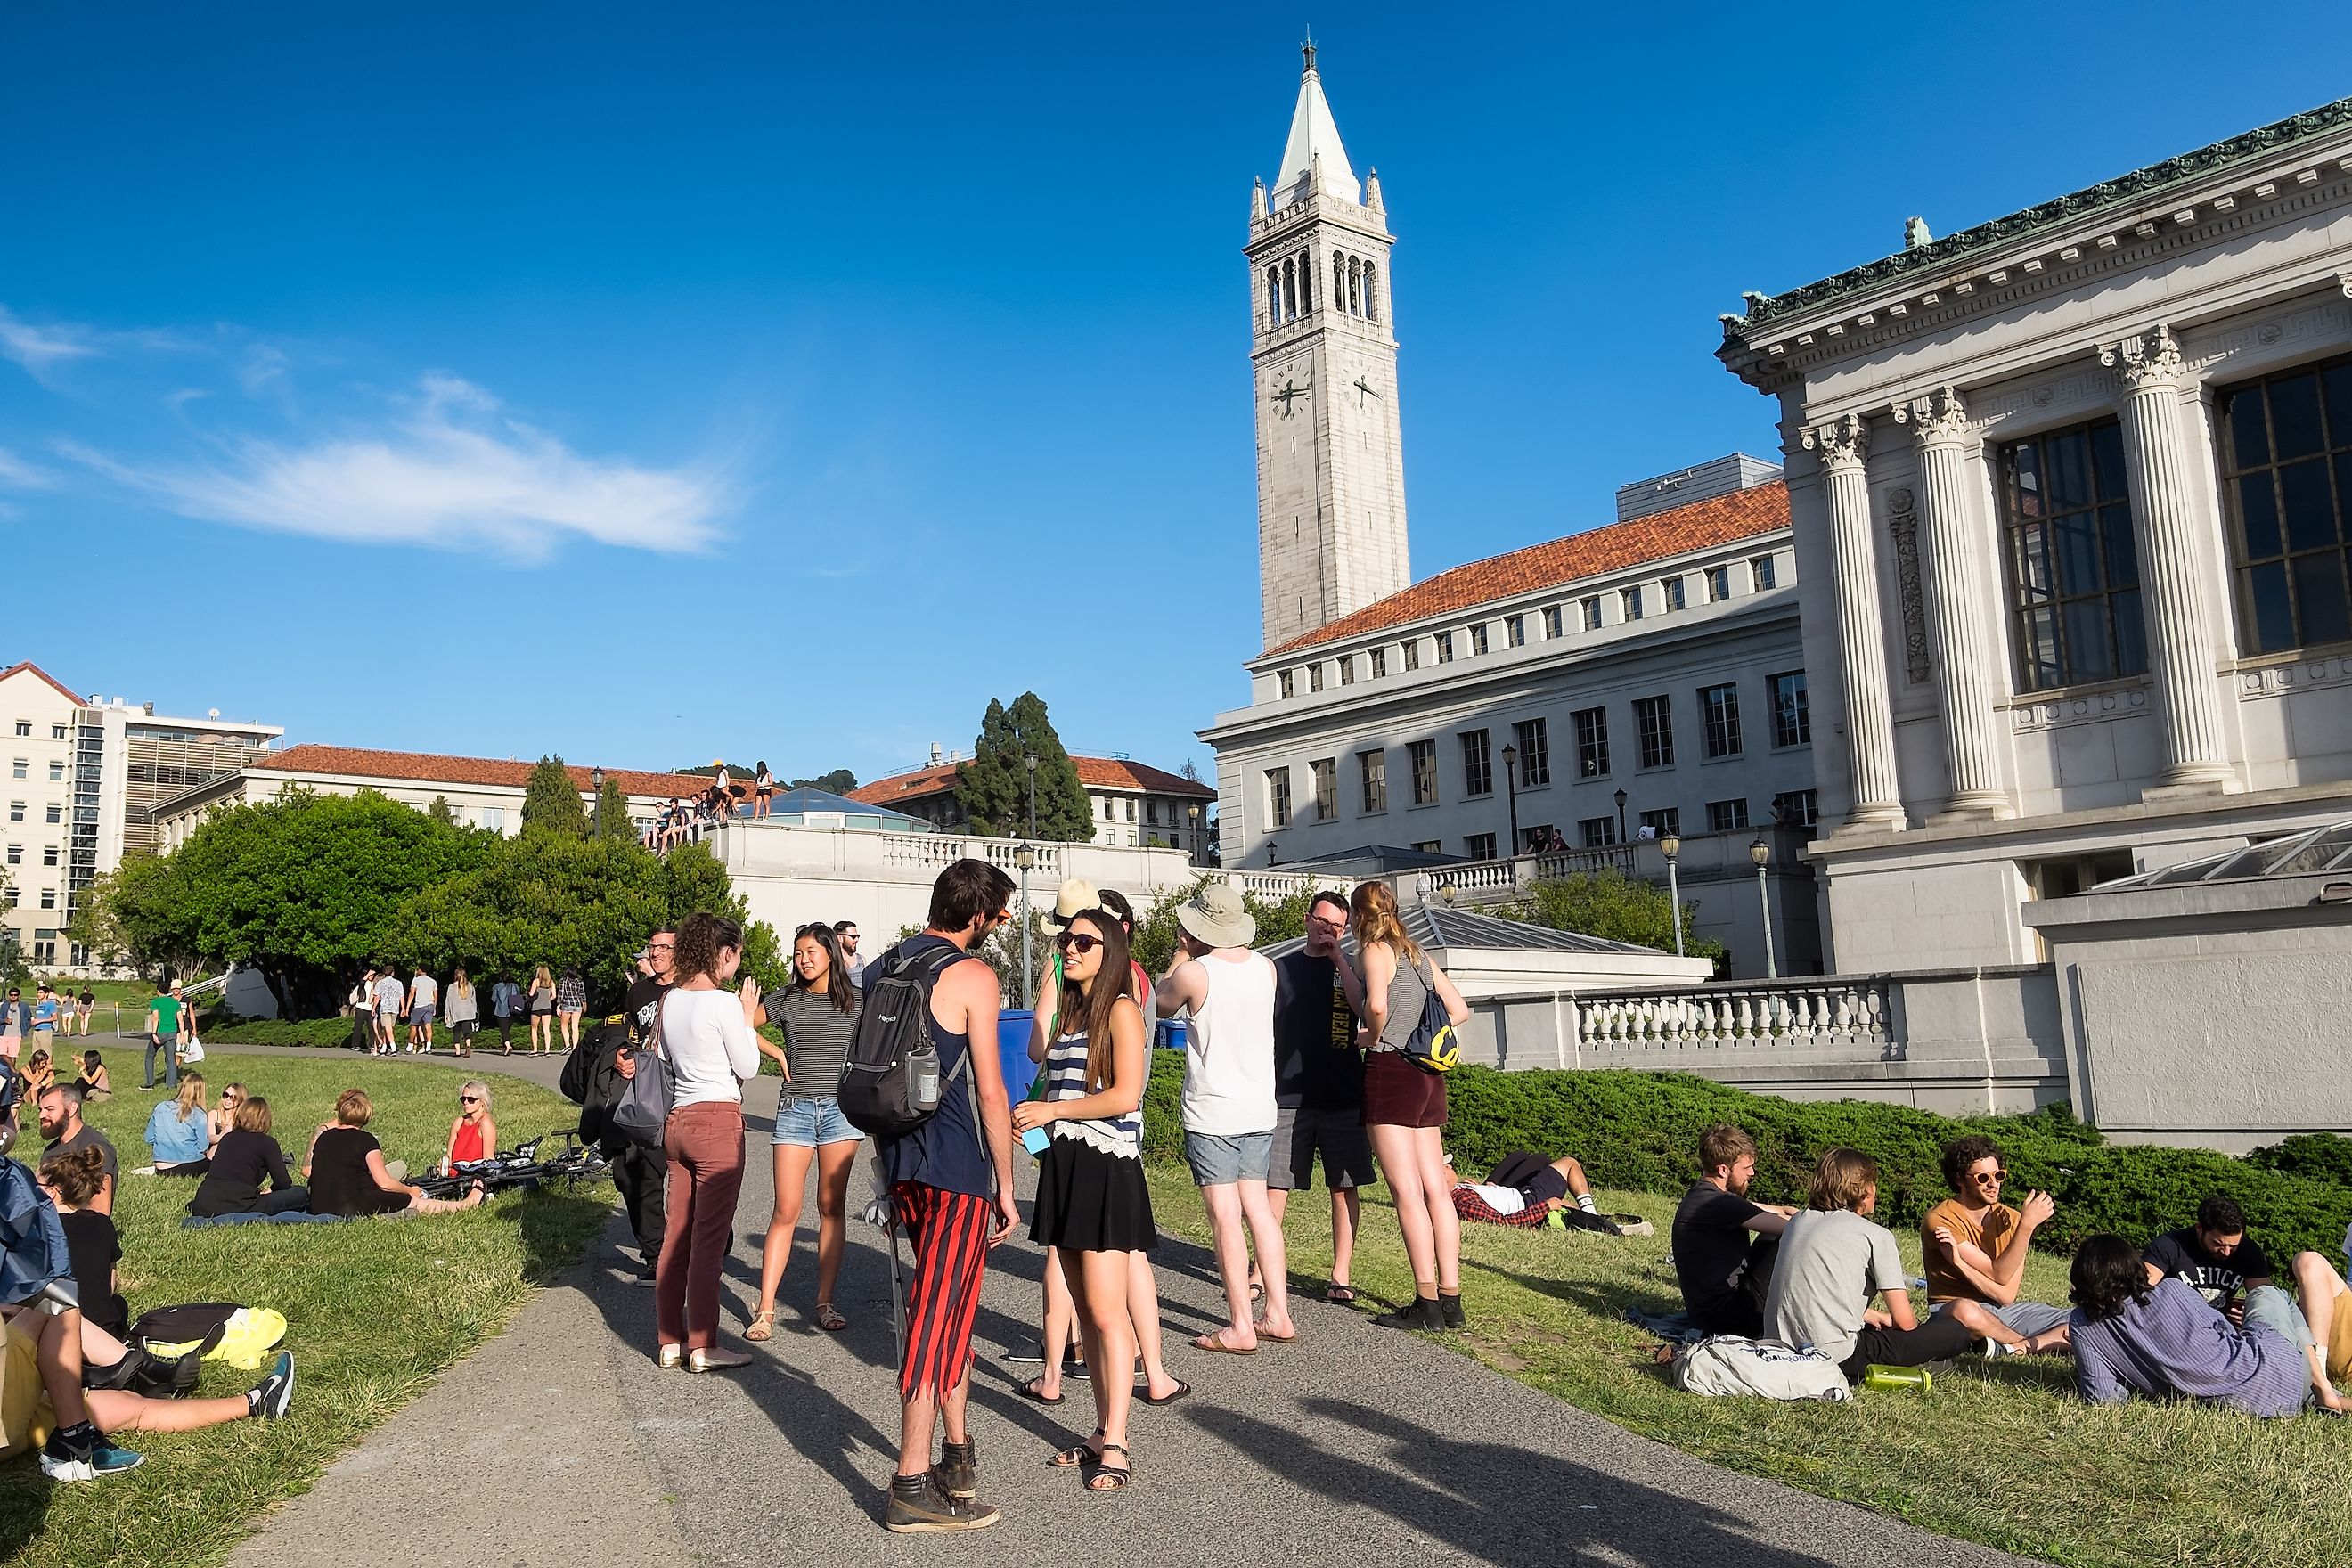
{"x":392,"y":1018}
{"x":2194,"y":1313}
{"x":1285,"y":1064}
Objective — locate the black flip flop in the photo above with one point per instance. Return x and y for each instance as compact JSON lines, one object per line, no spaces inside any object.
{"x":1181,"y":1390}
{"x":1034,"y":1390}
{"x":1339,"y":1295}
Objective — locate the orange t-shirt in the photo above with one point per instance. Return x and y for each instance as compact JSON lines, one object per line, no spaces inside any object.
{"x":1992,"y":1236}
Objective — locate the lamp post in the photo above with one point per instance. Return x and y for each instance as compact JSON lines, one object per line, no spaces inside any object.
{"x":1620,"y":817}
{"x":1031,"y":758}
{"x":596,"y":793}
{"x":1193,"y":811}
{"x":1672,"y":845}
{"x":1025,"y":857}
{"x":1761,"y":853}
{"x":1511,"y":783}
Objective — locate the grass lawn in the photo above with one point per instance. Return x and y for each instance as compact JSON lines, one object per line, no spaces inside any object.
{"x":377,"y":1309}
{"x":2001,"y":1453}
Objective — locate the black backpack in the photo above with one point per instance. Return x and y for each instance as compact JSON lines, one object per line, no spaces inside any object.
{"x":1433,"y":1046}
{"x":890,"y":1081}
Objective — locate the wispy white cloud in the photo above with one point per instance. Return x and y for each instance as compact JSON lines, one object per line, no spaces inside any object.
{"x":449,"y":469}
{"x":16,"y":474}
{"x":37,"y":348}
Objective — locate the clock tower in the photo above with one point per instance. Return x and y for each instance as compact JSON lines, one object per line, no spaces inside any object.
{"x":1331,"y":470}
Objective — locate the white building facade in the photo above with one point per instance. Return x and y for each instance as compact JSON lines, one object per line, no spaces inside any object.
{"x":1135,"y":806}
{"x":2069,"y":494}
{"x":84,"y":774}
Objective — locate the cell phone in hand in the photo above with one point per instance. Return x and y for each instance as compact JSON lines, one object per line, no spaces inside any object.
{"x":1035,"y":1139}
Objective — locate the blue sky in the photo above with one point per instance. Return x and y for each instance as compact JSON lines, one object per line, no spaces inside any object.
{"x":646,"y":384}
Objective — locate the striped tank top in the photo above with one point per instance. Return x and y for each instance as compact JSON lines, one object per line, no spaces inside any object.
{"x":1065,"y":1078}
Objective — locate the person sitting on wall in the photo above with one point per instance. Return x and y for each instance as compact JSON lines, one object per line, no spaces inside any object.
{"x":2215,"y":1257}
{"x":1974,"y":1246}
{"x":1724,"y":1245}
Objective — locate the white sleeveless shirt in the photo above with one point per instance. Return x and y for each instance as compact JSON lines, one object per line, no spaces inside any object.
{"x":1228,"y":1049}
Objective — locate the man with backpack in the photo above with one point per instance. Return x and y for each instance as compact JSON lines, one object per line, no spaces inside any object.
{"x":923,"y":1078}
{"x":608,"y":1060}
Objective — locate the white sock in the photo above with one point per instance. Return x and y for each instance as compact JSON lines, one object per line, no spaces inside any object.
{"x":1584,"y":1201}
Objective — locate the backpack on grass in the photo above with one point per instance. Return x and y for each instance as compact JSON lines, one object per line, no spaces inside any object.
{"x":1762,"y":1369}
{"x":890,"y":1081}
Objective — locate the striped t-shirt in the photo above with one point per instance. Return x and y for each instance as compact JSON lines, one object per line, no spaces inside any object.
{"x":1065,"y":1078}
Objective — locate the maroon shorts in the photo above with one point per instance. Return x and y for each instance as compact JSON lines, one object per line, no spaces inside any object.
{"x":1399,"y":1094}
{"x":949,"y":1231}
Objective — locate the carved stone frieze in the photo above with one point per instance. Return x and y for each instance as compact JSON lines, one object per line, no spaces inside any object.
{"x":2277,"y":679}
{"x":2093,"y":708}
{"x":1902,"y":525}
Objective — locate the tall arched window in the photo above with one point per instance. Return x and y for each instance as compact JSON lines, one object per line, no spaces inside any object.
{"x":1355,"y":286}
{"x":1289,"y":292}
{"x":1372,"y":294}
{"x":1305,"y":282}
{"x":1273,"y":296}
{"x":1338,"y":281}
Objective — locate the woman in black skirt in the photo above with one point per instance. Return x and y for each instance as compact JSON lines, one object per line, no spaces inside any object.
{"x":1092,"y":1202}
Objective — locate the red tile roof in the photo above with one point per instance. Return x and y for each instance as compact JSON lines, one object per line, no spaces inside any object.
{"x":1094,"y":773}
{"x":1742,"y":515}
{"x":420,"y":767}
{"x":73,"y":696}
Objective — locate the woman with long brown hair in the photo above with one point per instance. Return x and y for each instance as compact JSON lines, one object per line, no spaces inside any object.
{"x":705,"y":1033}
{"x":1404,"y":1103}
{"x":818,"y":1015}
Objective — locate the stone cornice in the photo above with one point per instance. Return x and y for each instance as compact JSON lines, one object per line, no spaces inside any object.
{"x":2139,"y":189}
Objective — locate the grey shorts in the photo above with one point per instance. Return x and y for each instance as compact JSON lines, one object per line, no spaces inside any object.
{"x":1302,"y":1131}
{"x":1219,"y":1160}
{"x":2027,"y":1318}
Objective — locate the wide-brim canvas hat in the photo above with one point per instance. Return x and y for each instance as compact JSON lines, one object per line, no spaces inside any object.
{"x":1217,"y":916}
{"x":1077,"y":896}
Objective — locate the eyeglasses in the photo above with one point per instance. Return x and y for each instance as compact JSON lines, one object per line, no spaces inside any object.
{"x":1077,"y":942}
{"x":1995,"y":1174}
{"x":469,"y":1100}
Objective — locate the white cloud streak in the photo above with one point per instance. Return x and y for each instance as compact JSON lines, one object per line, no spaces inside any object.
{"x":38,"y":348}
{"x":451,"y":471}
{"x":16,"y":474}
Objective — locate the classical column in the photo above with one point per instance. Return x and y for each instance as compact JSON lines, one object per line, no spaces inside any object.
{"x":2164,"y":520}
{"x":1842,"y":445}
{"x":1954,"y":592}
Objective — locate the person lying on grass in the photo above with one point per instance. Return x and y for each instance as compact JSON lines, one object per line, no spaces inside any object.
{"x":2160,"y":1339}
{"x":1834,"y":1259}
{"x":1974,"y":1245}
{"x":1525,"y":1188}
{"x":42,"y":1402}
{"x":347,"y":1175}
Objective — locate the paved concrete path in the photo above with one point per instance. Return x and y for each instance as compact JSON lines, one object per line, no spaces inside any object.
{"x":561,"y":1443}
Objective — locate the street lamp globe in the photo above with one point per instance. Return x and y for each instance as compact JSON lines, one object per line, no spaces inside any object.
{"x":1760,"y":852}
{"x":1670,"y":846}
{"x":1026,"y":858}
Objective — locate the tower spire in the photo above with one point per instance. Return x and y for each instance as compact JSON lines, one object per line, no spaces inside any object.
{"x":1314,"y":134}
{"x":1308,"y":49}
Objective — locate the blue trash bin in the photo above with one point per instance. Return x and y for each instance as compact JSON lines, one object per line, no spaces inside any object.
{"x":1013,"y":1026}
{"x":1173,"y":1034}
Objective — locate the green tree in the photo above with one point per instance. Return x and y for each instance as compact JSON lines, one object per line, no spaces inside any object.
{"x":841,"y":781}
{"x":612,"y":819}
{"x":1613,"y":905}
{"x":992,"y":788}
{"x":442,"y":811}
{"x":551,"y":801}
{"x":1155,"y":923}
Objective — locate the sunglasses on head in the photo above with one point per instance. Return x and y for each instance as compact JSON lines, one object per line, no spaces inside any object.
{"x":1077,"y":942}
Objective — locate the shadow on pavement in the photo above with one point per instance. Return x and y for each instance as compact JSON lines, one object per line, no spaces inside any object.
{"x":1495,"y":1502}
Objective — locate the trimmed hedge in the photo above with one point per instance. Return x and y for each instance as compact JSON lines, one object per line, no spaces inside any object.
{"x":1640,"y":1131}
{"x":334,"y":1034}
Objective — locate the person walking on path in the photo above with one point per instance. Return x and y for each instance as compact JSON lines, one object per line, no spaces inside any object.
{"x":818,"y":1015}
{"x":1404,"y":1103}
{"x":1229,"y":1109}
{"x":1093,"y":1207}
{"x":951,"y":1181}
{"x":424,"y":1001}
{"x":542,"y":1010}
{"x":166,"y":1016}
{"x":462,"y":1011}
{"x":570,"y":1002}
{"x":705,"y":1033}
{"x":391,"y":999}
{"x":83,"y":1005}
{"x":362,"y":1005}
{"x":506,"y":1001}
{"x":1318,"y":1085}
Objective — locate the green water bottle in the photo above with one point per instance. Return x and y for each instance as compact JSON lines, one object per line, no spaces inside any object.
{"x":1914,"y":1378}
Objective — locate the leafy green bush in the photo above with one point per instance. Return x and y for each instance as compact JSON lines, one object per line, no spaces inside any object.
{"x":2324,"y":1156}
{"x":316,"y":1033}
{"x":1640,"y":1131}
{"x":1613,"y":905}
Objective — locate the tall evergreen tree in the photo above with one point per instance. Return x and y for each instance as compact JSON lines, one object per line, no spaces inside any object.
{"x":551,"y":801}
{"x":612,"y":819}
{"x":993,"y":787}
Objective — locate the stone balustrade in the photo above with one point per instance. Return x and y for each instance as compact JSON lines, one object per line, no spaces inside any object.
{"x":1843,"y":1014}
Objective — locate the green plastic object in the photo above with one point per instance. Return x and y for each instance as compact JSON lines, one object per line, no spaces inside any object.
{"x":1914,"y":1378}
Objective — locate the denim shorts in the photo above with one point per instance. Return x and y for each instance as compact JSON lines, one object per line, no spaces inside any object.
{"x":811,"y":1123}
{"x":1218,"y":1160}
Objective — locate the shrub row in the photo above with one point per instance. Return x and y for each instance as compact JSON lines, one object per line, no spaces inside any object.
{"x":1640,"y":1131}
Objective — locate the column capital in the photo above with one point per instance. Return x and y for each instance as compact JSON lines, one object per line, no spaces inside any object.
{"x":1938,"y":419}
{"x":2147,"y":359}
{"x":1842,"y":443}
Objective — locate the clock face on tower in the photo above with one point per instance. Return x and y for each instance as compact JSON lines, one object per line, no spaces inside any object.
{"x":1290,"y":392}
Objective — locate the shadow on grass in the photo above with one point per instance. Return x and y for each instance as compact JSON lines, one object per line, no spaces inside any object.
{"x":559,"y":1224}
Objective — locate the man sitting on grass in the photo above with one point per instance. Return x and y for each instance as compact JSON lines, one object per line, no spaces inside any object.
{"x":1974,"y":1245}
{"x":1833,"y":1260}
{"x":2215,"y":1256}
{"x":1724,"y":1244}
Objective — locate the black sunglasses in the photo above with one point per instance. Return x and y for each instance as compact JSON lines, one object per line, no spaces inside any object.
{"x":1077,"y":942}
{"x":469,"y":1100}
